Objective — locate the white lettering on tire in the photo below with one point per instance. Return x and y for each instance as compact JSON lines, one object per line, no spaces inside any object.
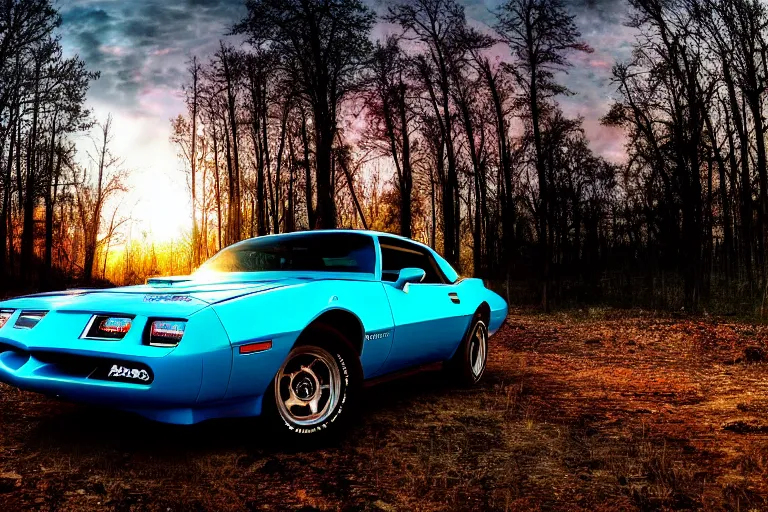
{"x":328,"y":422}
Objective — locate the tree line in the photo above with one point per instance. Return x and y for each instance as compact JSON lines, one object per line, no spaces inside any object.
{"x":312,"y":124}
{"x":54,"y":221}
{"x":692,"y":99}
{"x":441,"y":131}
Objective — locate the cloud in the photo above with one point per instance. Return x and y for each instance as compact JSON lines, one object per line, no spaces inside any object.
{"x":601,"y":23}
{"x":144,"y":43}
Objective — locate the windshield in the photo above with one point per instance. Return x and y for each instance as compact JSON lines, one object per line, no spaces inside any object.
{"x":323,"y":252}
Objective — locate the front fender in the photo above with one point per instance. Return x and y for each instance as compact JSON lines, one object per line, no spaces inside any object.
{"x":280,"y":316}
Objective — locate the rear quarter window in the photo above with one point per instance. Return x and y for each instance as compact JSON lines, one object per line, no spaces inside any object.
{"x":397,"y":254}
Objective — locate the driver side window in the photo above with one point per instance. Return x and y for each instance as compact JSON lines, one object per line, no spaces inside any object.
{"x":397,"y":255}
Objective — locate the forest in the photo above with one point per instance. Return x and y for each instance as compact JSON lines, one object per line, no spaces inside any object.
{"x":443,"y":130}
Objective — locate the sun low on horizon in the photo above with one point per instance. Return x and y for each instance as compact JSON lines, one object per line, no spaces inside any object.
{"x":157,"y":202}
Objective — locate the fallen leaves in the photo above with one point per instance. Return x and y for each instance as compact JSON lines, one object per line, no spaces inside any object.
{"x":594,"y":410}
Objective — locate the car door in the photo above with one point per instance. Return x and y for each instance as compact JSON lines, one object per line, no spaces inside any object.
{"x":428,"y":317}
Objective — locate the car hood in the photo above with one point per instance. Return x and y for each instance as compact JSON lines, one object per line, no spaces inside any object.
{"x":178,"y":295}
{"x":208,"y":290}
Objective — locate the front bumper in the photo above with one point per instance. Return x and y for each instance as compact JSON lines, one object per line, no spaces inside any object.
{"x":53,"y":359}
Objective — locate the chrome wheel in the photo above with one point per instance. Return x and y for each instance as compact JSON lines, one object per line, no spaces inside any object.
{"x":478,"y":349}
{"x":308,"y":386}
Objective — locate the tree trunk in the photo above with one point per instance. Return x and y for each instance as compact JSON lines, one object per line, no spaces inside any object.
{"x":193,"y":159}
{"x":6,"y":204}
{"x":325,"y":215}
{"x":235,"y":219}
{"x":406,"y":180}
{"x":507,"y":200}
{"x":544,"y":248}
{"x":279,"y":164}
{"x":27,"y":235}
{"x":217,"y":185}
{"x":307,"y":172}
{"x":233,"y":208}
{"x":50,"y":203}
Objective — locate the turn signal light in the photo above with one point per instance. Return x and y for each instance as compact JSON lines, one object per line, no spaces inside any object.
{"x":5,"y":315}
{"x":166,"y":333}
{"x":259,"y":346}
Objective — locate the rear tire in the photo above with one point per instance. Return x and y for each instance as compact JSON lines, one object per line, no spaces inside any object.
{"x":469,"y":362}
{"x":313,"y":392}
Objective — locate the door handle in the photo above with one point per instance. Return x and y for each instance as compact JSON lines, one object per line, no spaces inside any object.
{"x":454,"y":297}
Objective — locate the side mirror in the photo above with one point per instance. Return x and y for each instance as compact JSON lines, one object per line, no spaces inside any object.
{"x":409,"y":275}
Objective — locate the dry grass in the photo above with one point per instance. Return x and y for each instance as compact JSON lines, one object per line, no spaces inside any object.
{"x":591,"y":410}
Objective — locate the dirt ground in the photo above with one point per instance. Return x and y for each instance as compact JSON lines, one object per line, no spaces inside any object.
{"x":586,"y":410}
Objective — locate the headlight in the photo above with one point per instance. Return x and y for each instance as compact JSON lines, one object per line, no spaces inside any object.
{"x":103,"y":327}
{"x":166,"y":333}
{"x":5,"y":315}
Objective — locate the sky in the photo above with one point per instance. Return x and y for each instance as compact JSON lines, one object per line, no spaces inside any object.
{"x":141,"y":48}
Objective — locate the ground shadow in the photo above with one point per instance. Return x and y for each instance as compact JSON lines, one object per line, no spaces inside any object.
{"x":82,"y":430}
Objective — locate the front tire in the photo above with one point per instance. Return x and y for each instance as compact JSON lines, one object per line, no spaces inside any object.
{"x":468,"y":364}
{"x":313,"y":391}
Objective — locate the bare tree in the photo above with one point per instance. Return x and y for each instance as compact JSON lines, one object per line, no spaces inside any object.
{"x":323,"y":46}
{"x":192,"y":106}
{"x":97,"y":188}
{"x":437,"y":25}
{"x":390,"y":113}
{"x":540,"y":34}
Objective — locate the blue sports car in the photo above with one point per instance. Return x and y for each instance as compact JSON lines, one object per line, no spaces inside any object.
{"x":287,"y":325}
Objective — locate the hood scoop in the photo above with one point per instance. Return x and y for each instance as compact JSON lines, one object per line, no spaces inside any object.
{"x":168,"y":281}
